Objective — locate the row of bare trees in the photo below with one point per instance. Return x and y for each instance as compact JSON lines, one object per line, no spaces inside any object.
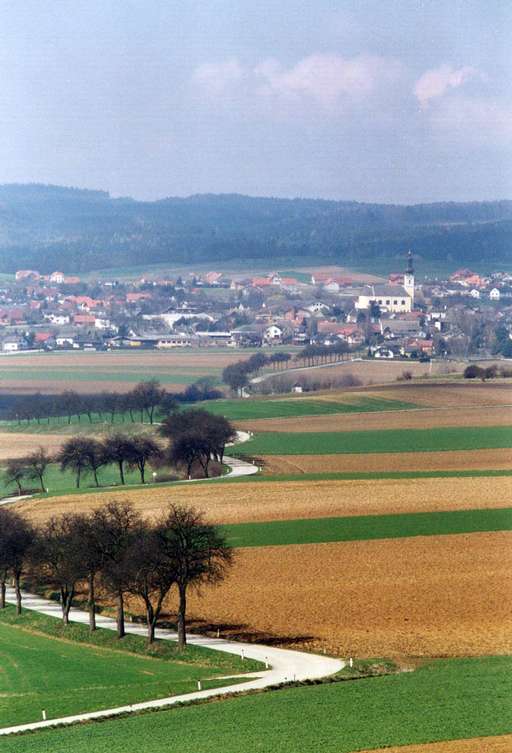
{"x":141,"y":404}
{"x":115,"y":548}
{"x":195,"y":438}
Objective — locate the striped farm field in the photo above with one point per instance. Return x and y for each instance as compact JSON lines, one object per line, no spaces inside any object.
{"x":419,"y":418}
{"x":242,"y":410}
{"x":388,"y":440}
{"x":253,"y":501}
{"x":448,"y":595}
{"x":389,"y":462}
{"x":367,"y":527}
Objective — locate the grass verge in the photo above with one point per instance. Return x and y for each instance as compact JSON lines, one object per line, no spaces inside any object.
{"x":66,"y":670}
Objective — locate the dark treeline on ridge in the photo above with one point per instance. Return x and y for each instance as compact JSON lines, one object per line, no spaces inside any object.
{"x":74,"y":230}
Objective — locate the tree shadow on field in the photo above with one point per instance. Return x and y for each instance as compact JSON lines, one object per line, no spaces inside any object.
{"x":238,"y":632}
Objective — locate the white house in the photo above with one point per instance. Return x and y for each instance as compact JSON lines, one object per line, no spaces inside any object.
{"x":474,"y":293}
{"x":273,"y":333}
{"x":11,"y":344}
{"x":57,"y":277}
{"x":495,"y":294}
{"x":59,"y":319}
{"x":392,"y":298}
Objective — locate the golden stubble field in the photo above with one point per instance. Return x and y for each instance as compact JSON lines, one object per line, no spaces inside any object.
{"x":417,"y":597}
{"x":499,"y":744}
{"x":14,"y":445}
{"x":427,"y":418}
{"x":500,"y":459}
{"x":262,"y":501}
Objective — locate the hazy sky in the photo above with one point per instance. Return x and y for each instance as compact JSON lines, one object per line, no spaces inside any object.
{"x":377,"y":100}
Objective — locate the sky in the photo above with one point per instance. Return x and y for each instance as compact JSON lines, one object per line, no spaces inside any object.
{"x":395,"y":101}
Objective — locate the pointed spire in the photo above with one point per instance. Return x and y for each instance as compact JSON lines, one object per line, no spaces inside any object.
{"x":410,"y":268}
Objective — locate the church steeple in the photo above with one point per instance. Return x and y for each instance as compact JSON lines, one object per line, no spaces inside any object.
{"x":409,"y":276}
{"x":410,"y":268}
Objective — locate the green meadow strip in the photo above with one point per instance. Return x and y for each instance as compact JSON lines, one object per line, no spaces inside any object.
{"x":367,"y":527}
{"x":388,"y":440}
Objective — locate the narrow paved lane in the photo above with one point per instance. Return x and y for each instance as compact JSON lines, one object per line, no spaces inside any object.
{"x":283,"y":666}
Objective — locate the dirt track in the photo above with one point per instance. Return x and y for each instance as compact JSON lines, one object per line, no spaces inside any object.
{"x":431,"y":596}
{"x":500,"y":744}
{"x":233,"y":503}
{"x":500,"y":459}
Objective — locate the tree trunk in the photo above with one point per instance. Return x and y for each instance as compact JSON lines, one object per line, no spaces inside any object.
{"x":182,"y":611}
{"x":95,"y":472}
{"x":91,"y":601}
{"x":120,"y":615}
{"x":121,"y":471}
{"x":42,"y":483}
{"x":66,"y":598}
{"x":142,"y":469}
{"x":2,"y":594}
{"x":78,"y":478}
{"x":18,"y":593}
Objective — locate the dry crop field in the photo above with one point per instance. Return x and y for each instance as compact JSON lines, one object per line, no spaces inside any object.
{"x":287,"y":500}
{"x":95,"y":372}
{"x":497,"y":459}
{"x":380,"y":372}
{"x":423,"y":596}
{"x":498,"y":744}
{"x":14,"y":445}
{"x":426,"y":418}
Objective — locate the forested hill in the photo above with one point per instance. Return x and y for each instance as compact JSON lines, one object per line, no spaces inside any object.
{"x":73,"y":230}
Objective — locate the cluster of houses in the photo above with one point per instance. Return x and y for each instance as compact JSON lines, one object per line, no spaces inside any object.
{"x":388,"y":319}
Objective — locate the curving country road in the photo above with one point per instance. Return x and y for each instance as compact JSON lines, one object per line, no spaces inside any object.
{"x":284,"y":666}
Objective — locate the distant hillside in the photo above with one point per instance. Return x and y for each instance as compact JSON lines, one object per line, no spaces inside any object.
{"x":50,"y":227}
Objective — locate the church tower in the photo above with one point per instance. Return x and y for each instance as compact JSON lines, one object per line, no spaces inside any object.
{"x":409,"y":277}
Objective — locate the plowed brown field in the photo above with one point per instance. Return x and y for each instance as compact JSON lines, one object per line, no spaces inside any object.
{"x":500,"y":459}
{"x":500,"y":744}
{"x":379,"y":372}
{"x":17,"y":445}
{"x":458,"y":394}
{"x":406,"y":419}
{"x":234,"y":503}
{"x":425,"y":596}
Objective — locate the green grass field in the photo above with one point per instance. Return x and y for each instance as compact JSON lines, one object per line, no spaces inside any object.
{"x":57,"y":482}
{"x":442,"y":700}
{"x":41,"y":670}
{"x":61,"y":425}
{"x":367,"y":527}
{"x":389,"y":440}
{"x":183,"y":375}
{"x":240,"y":410}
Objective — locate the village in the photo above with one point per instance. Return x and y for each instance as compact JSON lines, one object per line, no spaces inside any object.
{"x":465,"y":315}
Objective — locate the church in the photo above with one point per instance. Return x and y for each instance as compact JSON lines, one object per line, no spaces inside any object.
{"x":396,"y":299}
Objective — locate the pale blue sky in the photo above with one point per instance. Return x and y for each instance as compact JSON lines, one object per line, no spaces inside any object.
{"x":376,"y":100}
